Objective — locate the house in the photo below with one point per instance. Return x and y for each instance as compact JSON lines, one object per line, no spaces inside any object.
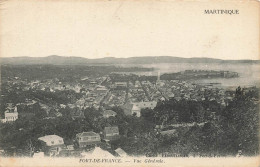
{"x":130,"y":109}
{"x":97,"y":152}
{"x":54,"y":113}
{"x":92,"y":82}
{"x":111,"y":133}
{"x":169,"y":132}
{"x":87,"y":138}
{"x":121,"y":84}
{"x":11,"y":114}
{"x":120,"y":152}
{"x":71,"y":105}
{"x":109,"y":113}
{"x":52,"y":144}
{"x":101,"y":89}
{"x":38,"y":155}
{"x":62,"y":106}
{"x":136,"y":110}
{"x":77,"y":88}
{"x":84,"y":78}
{"x":148,"y":104}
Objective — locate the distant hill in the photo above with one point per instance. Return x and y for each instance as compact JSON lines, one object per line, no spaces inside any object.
{"x":60,"y":60}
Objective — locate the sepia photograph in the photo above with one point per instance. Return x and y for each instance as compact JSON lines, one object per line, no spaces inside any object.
{"x":129,"y":83}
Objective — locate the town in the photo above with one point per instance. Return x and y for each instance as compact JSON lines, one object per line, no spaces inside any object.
{"x":108,"y":112}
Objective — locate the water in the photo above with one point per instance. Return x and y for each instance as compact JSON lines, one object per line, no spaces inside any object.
{"x":249,"y":74}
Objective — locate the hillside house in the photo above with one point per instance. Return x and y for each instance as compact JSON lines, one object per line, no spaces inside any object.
{"x":121,"y":153}
{"x":109,"y":113}
{"x":135,"y":108}
{"x":52,"y":144}
{"x":11,"y":114}
{"x":87,"y":138}
{"x":130,"y":109}
{"x":111,"y":133}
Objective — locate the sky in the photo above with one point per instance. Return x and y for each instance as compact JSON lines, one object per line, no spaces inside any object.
{"x":117,"y":28}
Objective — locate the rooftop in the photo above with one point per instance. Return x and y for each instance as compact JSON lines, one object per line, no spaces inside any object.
{"x":49,"y":138}
{"x":97,"y":152}
{"x":87,"y":134}
{"x":120,"y":152}
{"x":109,"y":112}
{"x":112,"y":129}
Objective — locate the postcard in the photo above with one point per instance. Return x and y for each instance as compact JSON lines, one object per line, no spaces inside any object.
{"x":129,"y":83}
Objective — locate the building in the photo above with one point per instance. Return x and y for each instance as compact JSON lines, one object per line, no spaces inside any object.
{"x":135,"y":108}
{"x":87,"y":138}
{"x":227,"y":74}
{"x":131,"y":109}
{"x":52,"y":144}
{"x":97,"y":152}
{"x":121,"y":153}
{"x":38,"y":155}
{"x":148,"y":104}
{"x":11,"y":114}
{"x":111,"y":133}
{"x":109,"y":113}
{"x":169,"y":132}
{"x":101,"y":89}
{"x":120,"y":84}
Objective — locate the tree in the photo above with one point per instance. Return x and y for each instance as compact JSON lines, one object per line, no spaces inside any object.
{"x":241,"y":119}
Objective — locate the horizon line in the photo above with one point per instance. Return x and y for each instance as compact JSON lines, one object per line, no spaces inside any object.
{"x":124,"y":57}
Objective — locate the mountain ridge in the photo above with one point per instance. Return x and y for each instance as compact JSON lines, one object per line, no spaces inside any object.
{"x":63,"y":60}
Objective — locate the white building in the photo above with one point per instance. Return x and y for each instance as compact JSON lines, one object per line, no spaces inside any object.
{"x":52,"y":145}
{"x":148,"y":104}
{"x":121,"y":152}
{"x":130,"y":109}
{"x":11,"y":115}
{"x":38,"y":155}
{"x":97,"y":152}
{"x":121,"y":84}
{"x":52,"y":140}
{"x":136,"y":110}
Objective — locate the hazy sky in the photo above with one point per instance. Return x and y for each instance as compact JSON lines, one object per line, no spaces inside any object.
{"x":96,"y":29}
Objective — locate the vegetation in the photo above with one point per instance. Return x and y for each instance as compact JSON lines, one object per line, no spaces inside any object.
{"x":65,"y":73}
{"x":232,"y":128}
